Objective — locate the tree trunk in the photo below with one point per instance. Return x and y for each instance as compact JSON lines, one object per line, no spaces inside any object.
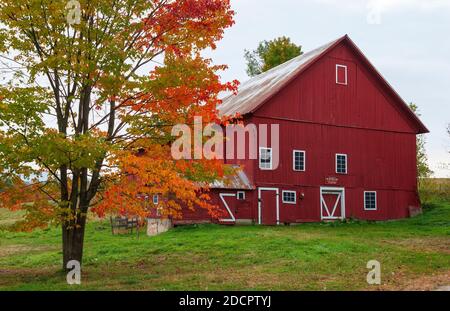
{"x":73,"y":241}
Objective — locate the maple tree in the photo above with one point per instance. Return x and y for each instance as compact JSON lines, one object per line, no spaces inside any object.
{"x":87,"y":110}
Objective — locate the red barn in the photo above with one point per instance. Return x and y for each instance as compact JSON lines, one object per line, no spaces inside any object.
{"x":347,"y":146}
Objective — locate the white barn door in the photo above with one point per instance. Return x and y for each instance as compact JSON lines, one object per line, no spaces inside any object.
{"x":332,"y":203}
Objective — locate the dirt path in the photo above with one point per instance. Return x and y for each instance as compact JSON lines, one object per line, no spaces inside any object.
{"x":434,"y":282}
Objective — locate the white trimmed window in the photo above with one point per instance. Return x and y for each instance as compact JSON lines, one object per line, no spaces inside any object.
{"x":370,"y":200}
{"x":241,"y":195}
{"x":299,"y":162}
{"x":341,"y":164}
{"x":156,"y":199}
{"x":341,"y":74}
{"x":289,"y":197}
{"x":265,"y":158}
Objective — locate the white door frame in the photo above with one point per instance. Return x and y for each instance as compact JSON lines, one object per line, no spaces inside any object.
{"x":222,"y":197}
{"x":341,"y":196}
{"x":277,"y":191}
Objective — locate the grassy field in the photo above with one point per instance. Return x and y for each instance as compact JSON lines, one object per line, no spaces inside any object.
{"x":414,"y":254}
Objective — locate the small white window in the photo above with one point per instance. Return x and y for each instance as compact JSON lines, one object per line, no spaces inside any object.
{"x":341,"y":74}
{"x":370,"y":200}
{"x":241,"y":195}
{"x":299,"y":160}
{"x":341,"y":164}
{"x":265,"y":158}
{"x":289,"y":197}
{"x":156,"y":199}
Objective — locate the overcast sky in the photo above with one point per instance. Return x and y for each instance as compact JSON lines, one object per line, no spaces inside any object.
{"x":407,"y":40}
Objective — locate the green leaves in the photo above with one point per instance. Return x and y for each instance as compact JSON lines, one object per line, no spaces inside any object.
{"x":423,"y":168}
{"x":102,"y":96}
{"x":22,"y":109}
{"x":55,"y":150}
{"x":270,"y":54}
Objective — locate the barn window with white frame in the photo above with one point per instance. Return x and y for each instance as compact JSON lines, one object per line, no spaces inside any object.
{"x":370,"y":200}
{"x":289,"y":197}
{"x":265,"y":158}
{"x":341,"y":164}
{"x":299,"y":160}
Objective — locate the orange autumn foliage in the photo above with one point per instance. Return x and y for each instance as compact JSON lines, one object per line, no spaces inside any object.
{"x":190,"y":89}
{"x":145,"y":174}
{"x":110,"y":63}
{"x":187,"y":86}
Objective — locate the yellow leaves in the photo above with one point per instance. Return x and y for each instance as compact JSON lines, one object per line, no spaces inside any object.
{"x":107,"y":53}
{"x":76,"y":152}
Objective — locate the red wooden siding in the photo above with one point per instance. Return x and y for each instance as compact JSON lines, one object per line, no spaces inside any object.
{"x":315,"y":97}
{"x":375,"y":158}
{"x":364,"y":119}
{"x":241,"y":209}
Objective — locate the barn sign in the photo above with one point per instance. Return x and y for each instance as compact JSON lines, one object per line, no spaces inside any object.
{"x":332,"y":180}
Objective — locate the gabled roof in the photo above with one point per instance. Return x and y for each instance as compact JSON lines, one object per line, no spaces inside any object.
{"x":258,"y":90}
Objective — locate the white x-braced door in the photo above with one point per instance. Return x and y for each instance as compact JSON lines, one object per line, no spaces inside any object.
{"x":332,"y":203}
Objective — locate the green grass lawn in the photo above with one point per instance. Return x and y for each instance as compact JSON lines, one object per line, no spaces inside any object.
{"x":414,"y":254}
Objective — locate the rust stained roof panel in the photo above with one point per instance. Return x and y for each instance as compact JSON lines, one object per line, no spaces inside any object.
{"x":237,"y":181}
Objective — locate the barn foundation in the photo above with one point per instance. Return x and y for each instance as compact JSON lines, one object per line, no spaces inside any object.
{"x":158,"y":226}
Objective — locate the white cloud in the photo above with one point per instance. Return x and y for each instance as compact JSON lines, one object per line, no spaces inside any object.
{"x":388,"y":5}
{"x":376,"y":8}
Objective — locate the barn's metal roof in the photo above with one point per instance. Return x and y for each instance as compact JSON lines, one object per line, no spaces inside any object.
{"x":236,"y":181}
{"x":258,"y":89}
